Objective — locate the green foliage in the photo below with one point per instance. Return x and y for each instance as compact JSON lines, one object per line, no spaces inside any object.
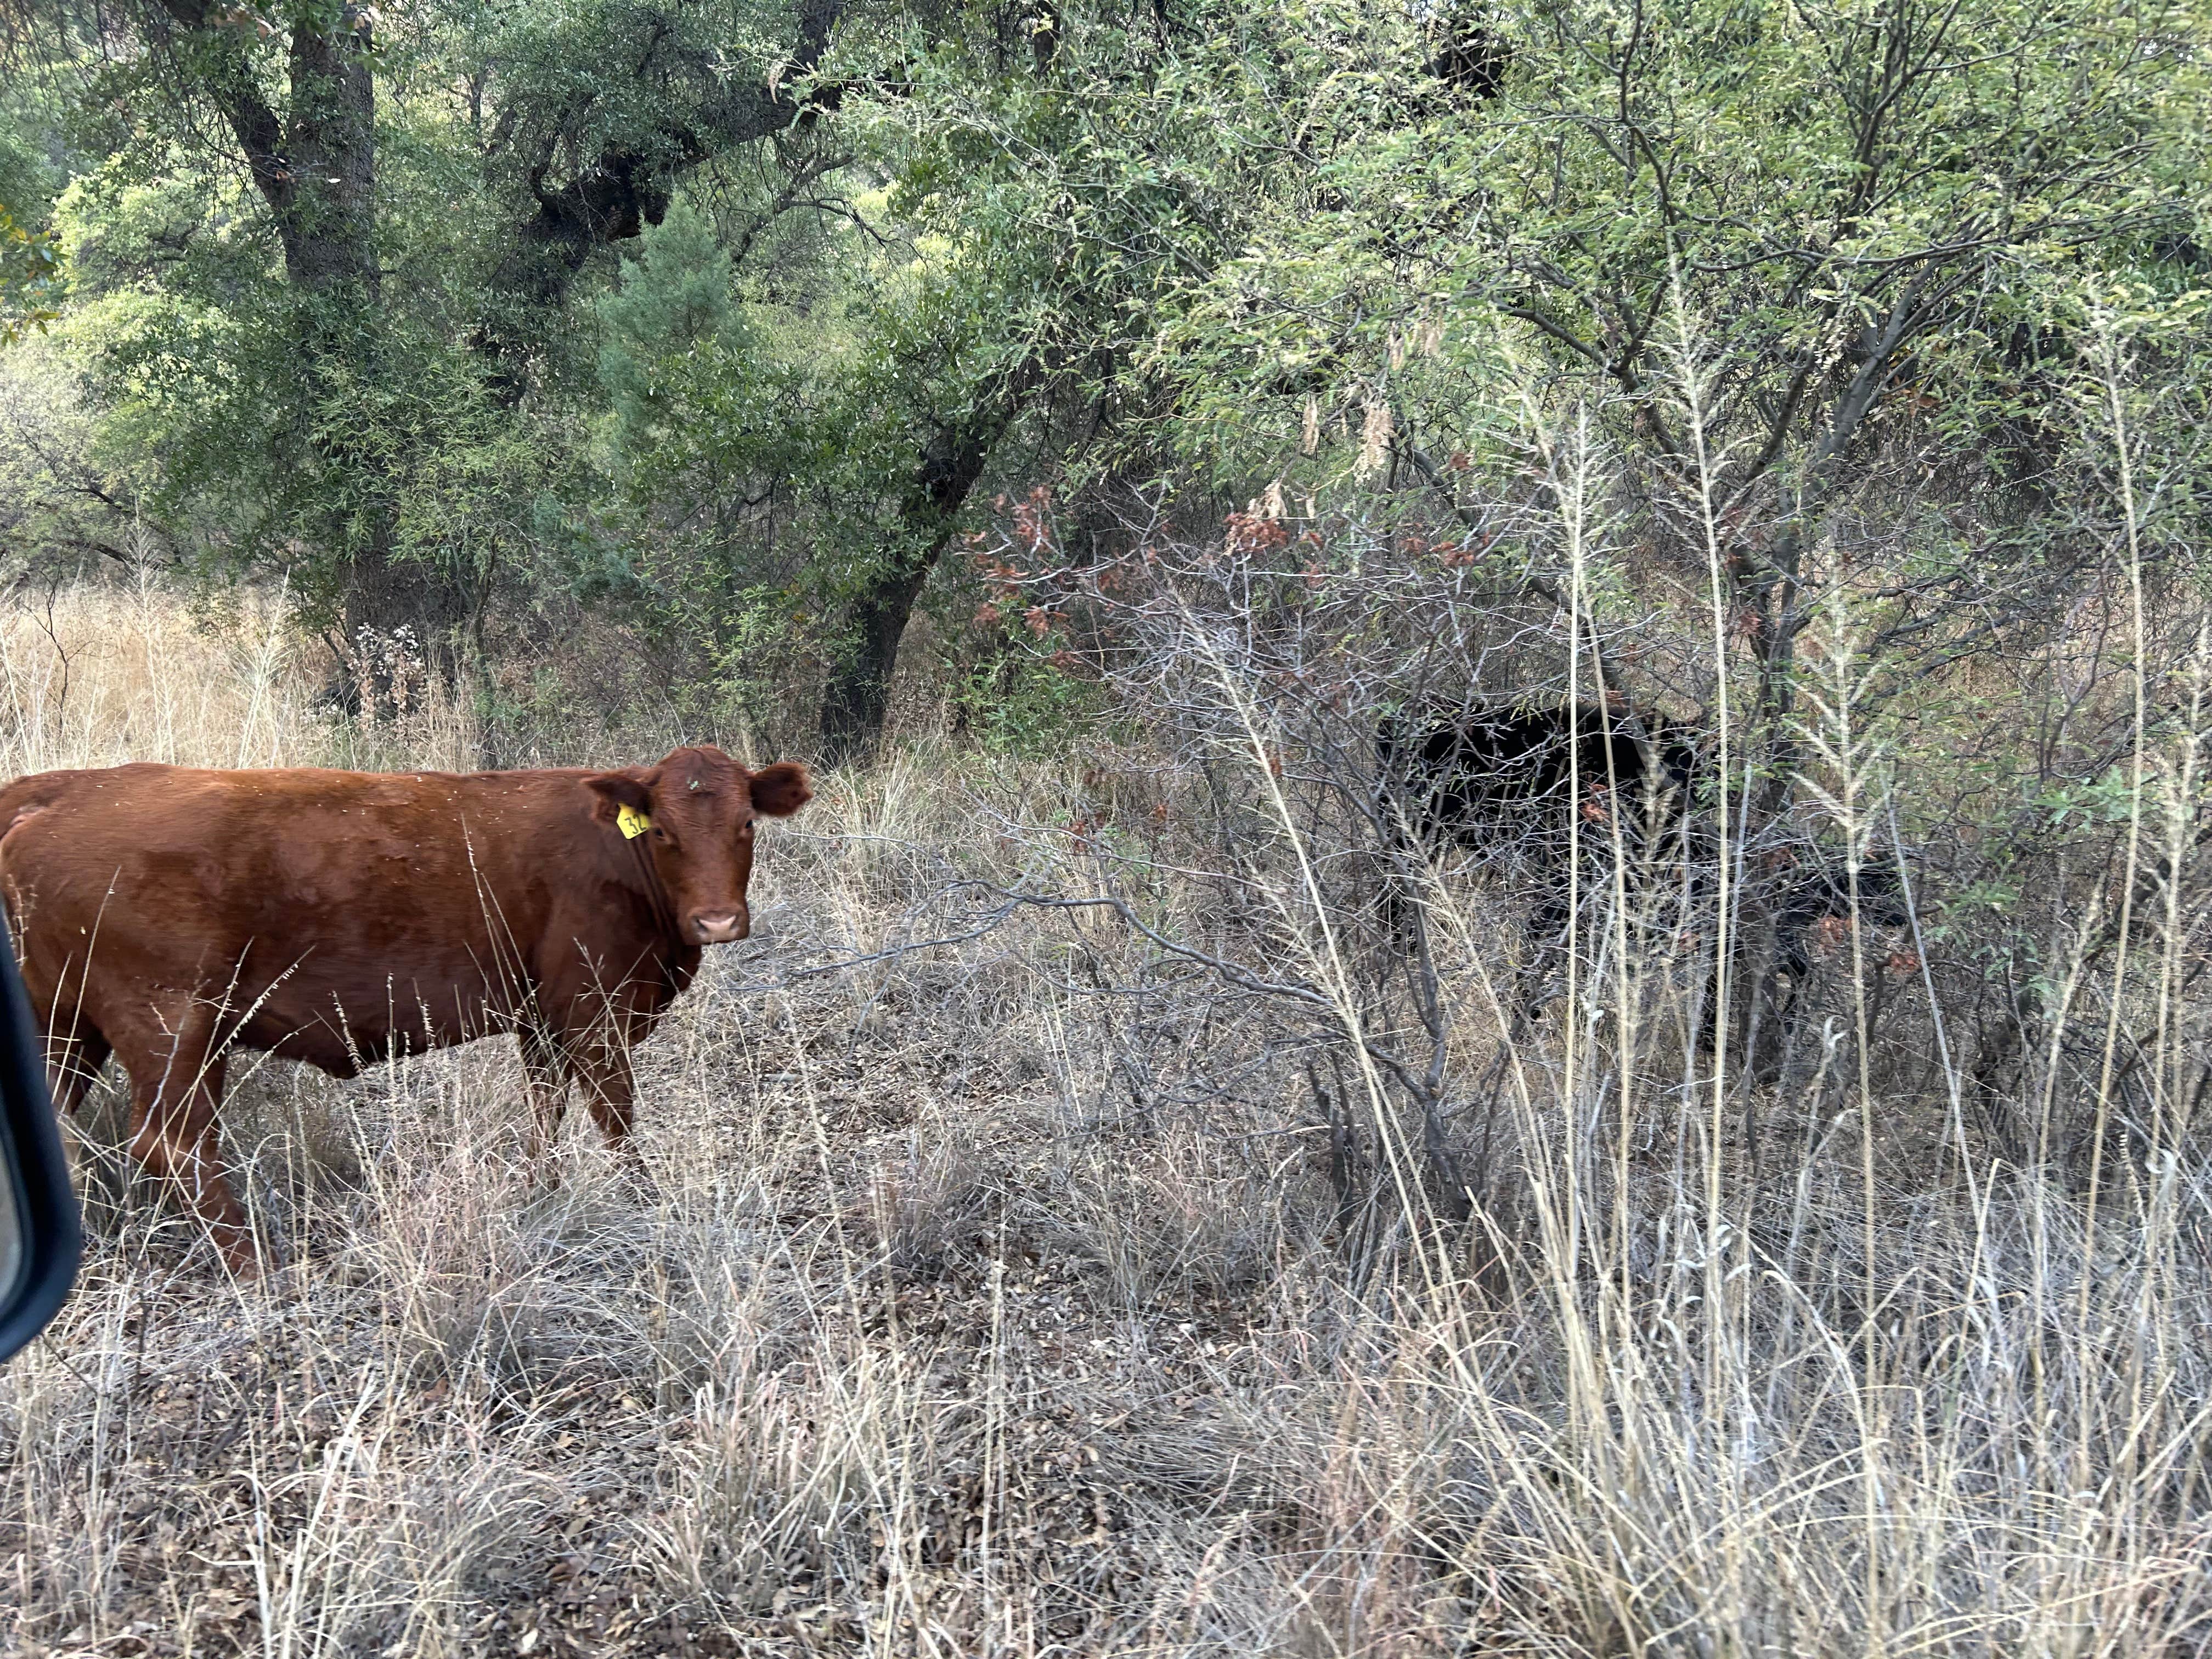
{"x":1066,"y":202}
{"x":28,"y":180}
{"x":645,"y":336}
{"x":691,"y":400}
{"x":1282,"y":243}
{"x":699,"y":450}
{"x":1016,"y":700}
{"x":30,"y":280}
{"x":64,"y":504}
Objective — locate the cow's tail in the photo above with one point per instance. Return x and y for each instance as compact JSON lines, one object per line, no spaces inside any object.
{"x":20,"y":802}
{"x":23,"y":801}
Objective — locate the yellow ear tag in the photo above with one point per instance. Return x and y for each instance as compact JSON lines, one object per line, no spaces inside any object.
{"x":632,"y":823}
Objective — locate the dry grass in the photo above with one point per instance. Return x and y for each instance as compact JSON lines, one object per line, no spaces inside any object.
{"x":923,"y":1329}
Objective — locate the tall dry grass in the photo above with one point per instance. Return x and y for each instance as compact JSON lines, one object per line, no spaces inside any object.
{"x":129,"y":671}
{"x":947,"y":1314}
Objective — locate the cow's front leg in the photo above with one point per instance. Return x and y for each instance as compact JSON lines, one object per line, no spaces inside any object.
{"x":597,"y":1028}
{"x":603,"y":1067}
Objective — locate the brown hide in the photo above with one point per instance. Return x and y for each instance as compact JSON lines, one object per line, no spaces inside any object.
{"x":165,"y":914}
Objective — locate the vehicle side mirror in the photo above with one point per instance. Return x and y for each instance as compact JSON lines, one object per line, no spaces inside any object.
{"x":41,"y":1236}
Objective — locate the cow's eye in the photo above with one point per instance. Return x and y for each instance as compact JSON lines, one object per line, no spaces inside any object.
{"x":659,"y":833}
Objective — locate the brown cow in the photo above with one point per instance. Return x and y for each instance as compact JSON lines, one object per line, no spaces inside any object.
{"x":165,"y":915}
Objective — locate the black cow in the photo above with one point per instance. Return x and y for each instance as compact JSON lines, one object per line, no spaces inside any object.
{"x":1500,"y":774}
{"x":1808,"y":893}
{"x":1810,"y":896}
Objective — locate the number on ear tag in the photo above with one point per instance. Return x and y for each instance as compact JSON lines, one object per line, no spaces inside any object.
{"x":632,"y":822}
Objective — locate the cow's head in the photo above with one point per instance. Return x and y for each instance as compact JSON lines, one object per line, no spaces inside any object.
{"x":692,"y":816}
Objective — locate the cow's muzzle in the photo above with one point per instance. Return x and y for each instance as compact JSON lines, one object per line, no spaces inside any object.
{"x":723,"y":929}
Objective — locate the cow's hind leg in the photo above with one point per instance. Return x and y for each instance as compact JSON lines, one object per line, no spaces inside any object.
{"x":1408,"y":864}
{"x":1548,"y":937}
{"x":176,"y":1087}
{"x":75,"y":1051}
{"x":1403,"y":914}
{"x":545,"y":1071}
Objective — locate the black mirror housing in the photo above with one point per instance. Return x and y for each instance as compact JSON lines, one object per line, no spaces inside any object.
{"x":38,"y":1207}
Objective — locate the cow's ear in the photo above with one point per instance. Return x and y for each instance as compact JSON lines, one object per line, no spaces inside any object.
{"x":631,"y":788}
{"x":781,"y":789}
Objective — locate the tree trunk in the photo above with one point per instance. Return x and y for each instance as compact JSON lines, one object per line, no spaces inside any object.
{"x":854,"y":704}
{"x":315,"y":165}
{"x":329,"y":231}
{"x":856,"y":701}
{"x":623,"y":190}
